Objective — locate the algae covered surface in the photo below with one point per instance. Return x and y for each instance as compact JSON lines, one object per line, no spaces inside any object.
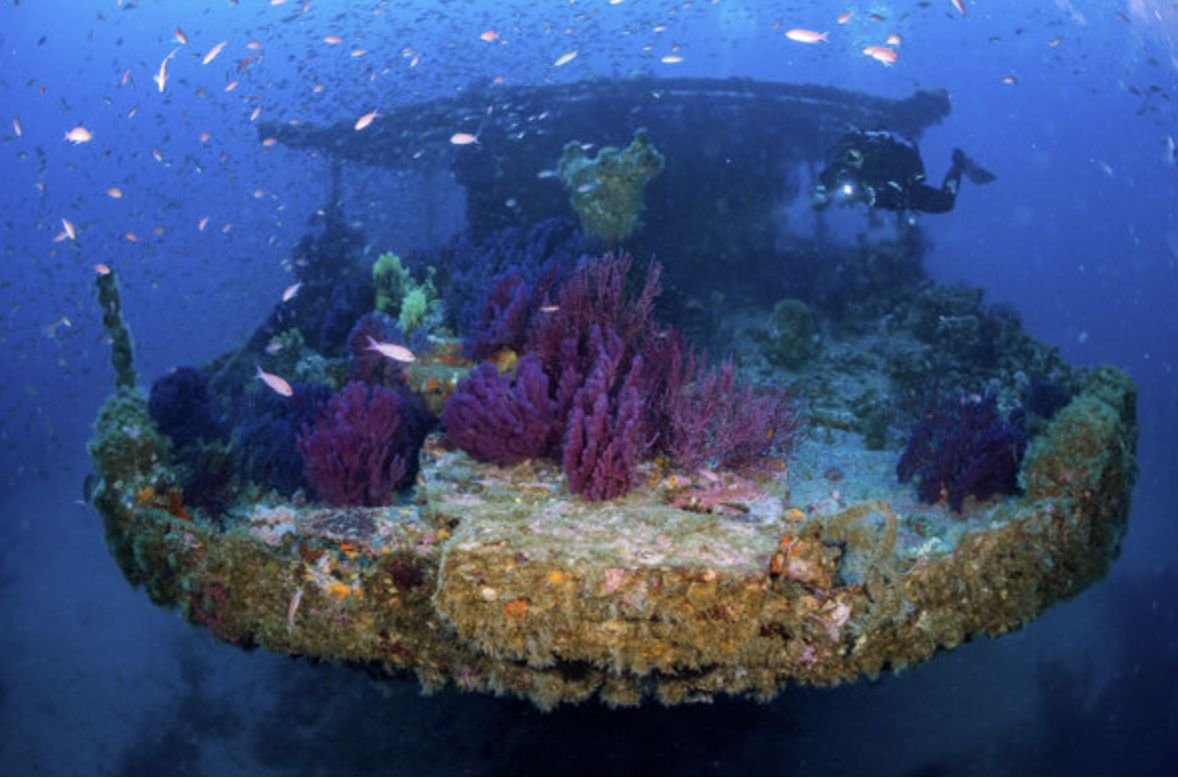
{"x":696,"y":584}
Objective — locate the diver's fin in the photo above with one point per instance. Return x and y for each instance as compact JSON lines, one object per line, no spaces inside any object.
{"x":973,"y":171}
{"x":977,"y":174}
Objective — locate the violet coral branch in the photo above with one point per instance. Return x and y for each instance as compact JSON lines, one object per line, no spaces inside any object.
{"x":501,"y":421}
{"x":357,"y":453}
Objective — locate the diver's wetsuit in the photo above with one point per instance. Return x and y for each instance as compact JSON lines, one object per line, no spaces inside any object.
{"x":885,"y":171}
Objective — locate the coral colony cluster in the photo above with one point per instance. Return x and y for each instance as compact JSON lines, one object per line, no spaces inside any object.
{"x":569,"y":365}
{"x":601,"y":387}
{"x":560,"y":359}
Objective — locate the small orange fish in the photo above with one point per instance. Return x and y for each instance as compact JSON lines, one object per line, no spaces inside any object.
{"x":672,"y":59}
{"x":255,"y":45}
{"x":132,"y":237}
{"x":101,"y":269}
{"x":882,"y":54}
{"x":115,"y":192}
{"x":358,"y":52}
{"x":463,"y":139}
{"x":565,"y":58}
{"x":391,"y":350}
{"x":290,"y":291}
{"x":126,"y":75}
{"x":893,"y":40}
{"x":489,"y":35}
{"x":180,"y":36}
{"x":269,"y":141}
{"x":131,"y":112}
{"x":213,"y":52}
{"x":845,"y":17}
{"x":806,"y":36}
{"x":960,"y":6}
{"x":202,"y":223}
{"x":79,"y":135}
{"x":276,"y":383}
{"x":1009,"y":80}
{"x":245,"y":62}
{"x":366,"y":120}
{"x":69,"y":229}
{"x":204,"y":137}
{"x":231,"y":86}
{"x":16,"y":126}
{"x":333,"y":39}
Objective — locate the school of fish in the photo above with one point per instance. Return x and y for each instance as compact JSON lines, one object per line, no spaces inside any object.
{"x":147,"y":159}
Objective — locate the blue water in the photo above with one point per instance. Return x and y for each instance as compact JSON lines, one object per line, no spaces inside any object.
{"x":1078,"y":233}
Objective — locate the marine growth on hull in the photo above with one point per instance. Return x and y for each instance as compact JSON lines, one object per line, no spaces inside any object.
{"x":645,"y":439}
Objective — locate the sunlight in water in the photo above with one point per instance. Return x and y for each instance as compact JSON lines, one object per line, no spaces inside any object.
{"x":1160,"y":22}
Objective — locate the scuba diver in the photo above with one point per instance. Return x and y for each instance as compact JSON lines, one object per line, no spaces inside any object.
{"x":885,"y":171}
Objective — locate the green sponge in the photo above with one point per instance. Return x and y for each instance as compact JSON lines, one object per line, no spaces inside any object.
{"x":391,"y":281}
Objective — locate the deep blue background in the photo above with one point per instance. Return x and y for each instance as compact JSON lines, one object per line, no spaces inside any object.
{"x":1078,"y":233}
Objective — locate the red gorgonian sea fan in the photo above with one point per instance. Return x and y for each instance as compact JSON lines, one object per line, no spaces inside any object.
{"x":357,"y":452}
{"x":602,"y":387}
